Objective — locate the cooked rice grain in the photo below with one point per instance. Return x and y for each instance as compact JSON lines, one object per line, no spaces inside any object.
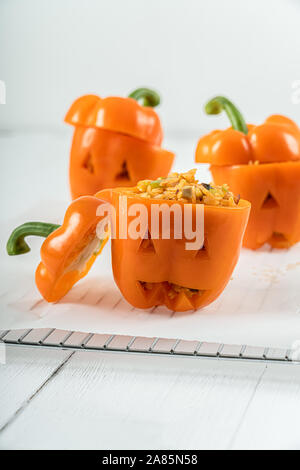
{"x":185,"y":188}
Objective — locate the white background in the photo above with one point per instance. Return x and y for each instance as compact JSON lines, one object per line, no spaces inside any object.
{"x":53,"y":51}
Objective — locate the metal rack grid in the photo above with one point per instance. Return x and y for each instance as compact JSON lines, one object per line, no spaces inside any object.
{"x":74,"y":340}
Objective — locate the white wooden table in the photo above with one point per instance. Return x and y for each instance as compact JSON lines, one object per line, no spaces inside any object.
{"x":57,"y":399}
{"x":61,"y":399}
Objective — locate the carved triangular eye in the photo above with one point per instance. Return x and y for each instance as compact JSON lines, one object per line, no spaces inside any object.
{"x":269,"y":202}
{"x":147,"y":244}
{"x":123,"y":173}
{"x":88,"y":164}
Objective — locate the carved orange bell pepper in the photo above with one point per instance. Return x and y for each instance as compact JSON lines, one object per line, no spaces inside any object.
{"x":149,"y":269}
{"x":262,"y":164}
{"x":68,"y":252}
{"x":116,"y":142}
{"x":160,"y":263}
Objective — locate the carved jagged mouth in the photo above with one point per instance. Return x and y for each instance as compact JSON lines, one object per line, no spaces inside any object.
{"x":172,"y":292}
{"x":279,"y":240}
{"x":279,"y":236}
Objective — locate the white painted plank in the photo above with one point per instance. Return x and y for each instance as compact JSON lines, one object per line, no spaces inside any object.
{"x":24,"y":372}
{"x":111,"y":400}
{"x":273,"y":417}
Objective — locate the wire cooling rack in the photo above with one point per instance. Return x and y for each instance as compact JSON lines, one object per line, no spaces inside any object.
{"x":74,"y":340}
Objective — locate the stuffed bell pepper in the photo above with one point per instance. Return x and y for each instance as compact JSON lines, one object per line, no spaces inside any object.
{"x":262,"y":164}
{"x":175,"y":242}
{"x":116,"y":142}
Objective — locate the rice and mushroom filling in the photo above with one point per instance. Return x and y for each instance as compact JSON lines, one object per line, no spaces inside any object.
{"x":186,"y":188}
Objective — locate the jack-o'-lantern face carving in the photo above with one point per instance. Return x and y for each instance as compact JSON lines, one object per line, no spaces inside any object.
{"x":101,"y":159}
{"x":156,"y":271}
{"x":262,"y":164}
{"x":116,"y":142}
{"x":274,"y":192}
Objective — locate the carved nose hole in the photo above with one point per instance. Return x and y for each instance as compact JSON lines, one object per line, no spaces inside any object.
{"x":146,"y":245}
{"x":203,"y":252}
{"x":269,"y":202}
{"x":123,"y":173}
{"x":88,"y":164}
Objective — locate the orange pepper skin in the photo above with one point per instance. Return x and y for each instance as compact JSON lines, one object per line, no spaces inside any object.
{"x":69,"y":252}
{"x":224,"y":148}
{"x":98,"y":157}
{"x":118,"y":114}
{"x":167,"y":260}
{"x":274,"y":220}
{"x":277,"y":140}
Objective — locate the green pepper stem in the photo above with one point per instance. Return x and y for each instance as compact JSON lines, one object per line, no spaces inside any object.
{"x":17,"y":245}
{"x":218,"y":104}
{"x":146,"y":96}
